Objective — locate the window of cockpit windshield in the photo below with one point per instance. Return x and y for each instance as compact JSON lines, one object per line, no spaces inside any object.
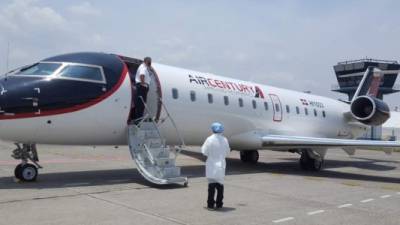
{"x":80,"y":72}
{"x":39,"y":69}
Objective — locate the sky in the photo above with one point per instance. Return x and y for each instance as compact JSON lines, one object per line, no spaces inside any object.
{"x":288,"y":44}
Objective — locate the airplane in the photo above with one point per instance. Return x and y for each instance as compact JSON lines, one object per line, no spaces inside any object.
{"x":88,"y":98}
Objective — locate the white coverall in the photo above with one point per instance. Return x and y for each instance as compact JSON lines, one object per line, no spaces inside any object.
{"x":216,"y":148}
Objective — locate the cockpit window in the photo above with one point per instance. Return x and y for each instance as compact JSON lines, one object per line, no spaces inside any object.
{"x":39,"y":69}
{"x":80,"y":72}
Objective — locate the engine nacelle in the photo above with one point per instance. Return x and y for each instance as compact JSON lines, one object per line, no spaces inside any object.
{"x":370,"y":110}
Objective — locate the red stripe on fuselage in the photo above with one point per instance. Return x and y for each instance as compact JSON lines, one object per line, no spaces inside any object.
{"x":72,"y":108}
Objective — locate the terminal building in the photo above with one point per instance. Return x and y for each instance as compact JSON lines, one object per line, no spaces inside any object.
{"x":350,"y":73}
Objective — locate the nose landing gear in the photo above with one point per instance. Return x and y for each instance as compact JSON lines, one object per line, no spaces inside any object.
{"x":26,"y":171}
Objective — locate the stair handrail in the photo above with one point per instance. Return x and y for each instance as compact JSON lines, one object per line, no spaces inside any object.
{"x":153,"y":162}
{"x":148,"y":115}
{"x":173,"y":123}
{"x":182,"y":145}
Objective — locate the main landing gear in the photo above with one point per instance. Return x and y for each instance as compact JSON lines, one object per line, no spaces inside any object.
{"x":26,"y":171}
{"x":249,"y":156}
{"x":311,"y":160}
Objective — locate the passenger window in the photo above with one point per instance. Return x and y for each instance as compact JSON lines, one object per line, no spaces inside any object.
{"x":306,"y":111}
{"x":174,"y":93}
{"x":266,"y":106}
{"x":315,"y":112}
{"x":287,"y":109}
{"x":277,"y":108}
{"x":192,"y":96}
{"x":323,"y":114}
{"x":78,"y":72}
{"x":254,"y":104}
{"x":297,"y":110}
{"x":210,"y":98}
{"x":226,"y":100}
{"x":240,"y":102}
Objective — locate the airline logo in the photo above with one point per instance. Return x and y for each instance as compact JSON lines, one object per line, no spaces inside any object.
{"x":227,"y":86}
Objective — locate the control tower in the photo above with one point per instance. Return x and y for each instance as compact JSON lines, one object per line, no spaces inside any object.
{"x":350,"y":73}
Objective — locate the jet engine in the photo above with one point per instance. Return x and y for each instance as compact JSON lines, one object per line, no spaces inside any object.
{"x":370,"y":110}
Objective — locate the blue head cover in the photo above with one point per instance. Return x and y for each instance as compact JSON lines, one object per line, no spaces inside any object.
{"x":217,"y":127}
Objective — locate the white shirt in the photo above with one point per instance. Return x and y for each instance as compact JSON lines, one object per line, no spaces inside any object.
{"x":143,"y":70}
{"x":216,"y":148}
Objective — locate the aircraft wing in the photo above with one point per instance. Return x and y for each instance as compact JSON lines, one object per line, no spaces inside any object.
{"x":282,"y":141}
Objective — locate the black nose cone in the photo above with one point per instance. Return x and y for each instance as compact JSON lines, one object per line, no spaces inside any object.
{"x":3,"y":93}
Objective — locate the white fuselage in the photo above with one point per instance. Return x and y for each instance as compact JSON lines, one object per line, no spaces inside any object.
{"x":105,"y":123}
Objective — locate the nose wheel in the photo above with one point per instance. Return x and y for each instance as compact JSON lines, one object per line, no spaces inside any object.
{"x":26,"y":171}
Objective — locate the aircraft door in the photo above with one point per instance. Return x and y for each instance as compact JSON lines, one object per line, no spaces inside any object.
{"x":277,"y":107}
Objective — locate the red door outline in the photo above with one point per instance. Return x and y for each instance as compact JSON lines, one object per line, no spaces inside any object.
{"x":277,"y":117}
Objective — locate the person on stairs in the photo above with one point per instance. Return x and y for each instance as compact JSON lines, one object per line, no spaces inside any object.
{"x":216,"y":148}
{"x":142,"y":79}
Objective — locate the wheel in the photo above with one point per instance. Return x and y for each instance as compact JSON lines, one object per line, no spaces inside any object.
{"x":29,"y":172}
{"x":304,"y":160}
{"x":253,"y":156}
{"x":243,"y":156}
{"x":249,"y":156}
{"x":186,"y":184}
{"x":316,"y":165}
{"x":17,"y":171}
{"x":308,"y":163}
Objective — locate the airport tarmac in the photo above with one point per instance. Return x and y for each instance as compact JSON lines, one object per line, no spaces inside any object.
{"x":86,"y":185}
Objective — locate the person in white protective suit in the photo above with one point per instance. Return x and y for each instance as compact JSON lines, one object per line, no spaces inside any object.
{"x":216,"y":148}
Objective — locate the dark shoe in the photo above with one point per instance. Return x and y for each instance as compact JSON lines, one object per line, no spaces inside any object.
{"x":219,"y":206}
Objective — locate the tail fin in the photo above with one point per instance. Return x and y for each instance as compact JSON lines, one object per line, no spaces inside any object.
{"x":370,"y":82}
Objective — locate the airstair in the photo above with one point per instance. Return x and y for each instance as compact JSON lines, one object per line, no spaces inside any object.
{"x":155,"y":161}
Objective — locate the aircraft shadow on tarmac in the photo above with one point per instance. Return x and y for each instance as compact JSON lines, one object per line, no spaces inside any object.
{"x":234,"y":167}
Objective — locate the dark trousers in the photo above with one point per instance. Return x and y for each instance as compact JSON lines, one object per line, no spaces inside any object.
{"x":141,"y":93}
{"x":211,"y":194}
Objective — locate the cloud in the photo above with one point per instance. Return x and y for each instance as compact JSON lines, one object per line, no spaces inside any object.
{"x":287,"y":44}
{"x":37,"y":31}
{"x":84,"y":9}
{"x":23,"y":15}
